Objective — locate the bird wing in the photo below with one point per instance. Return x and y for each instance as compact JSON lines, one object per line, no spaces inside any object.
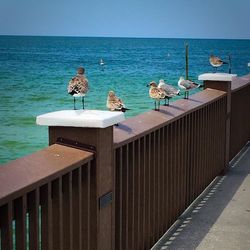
{"x":78,"y":85}
{"x":189,"y":84}
{"x":115,"y":103}
{"x":157,"y":93}
{"x":170,"y":90}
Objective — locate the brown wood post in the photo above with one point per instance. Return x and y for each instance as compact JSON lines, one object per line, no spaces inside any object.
{"x":102,"y":140}
{"x":223,"y":85}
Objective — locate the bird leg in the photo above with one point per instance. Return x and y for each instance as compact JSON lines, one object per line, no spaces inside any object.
{"x":83,"y":102}
{"x":155,"y":106}
{"x":159,"y":105}
{"x":74,"y":103}
{"x":165,"y":99}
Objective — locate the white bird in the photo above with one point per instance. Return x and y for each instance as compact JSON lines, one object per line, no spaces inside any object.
{"x":114,"y":103}
{"x":170,"y":91}
{"x":101,"y":62}
{"x":156,"y":93}
{"x":216,"y":62}
{"x":187,"y":85}
{"x":78,"y":86}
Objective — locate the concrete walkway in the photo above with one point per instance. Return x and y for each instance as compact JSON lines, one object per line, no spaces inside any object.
{"x":220,"y":218}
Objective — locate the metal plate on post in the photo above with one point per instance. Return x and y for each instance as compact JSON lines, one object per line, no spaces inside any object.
{"x":75,"y":144}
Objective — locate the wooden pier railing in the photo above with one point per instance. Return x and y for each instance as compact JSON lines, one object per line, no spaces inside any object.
{"x":240,"y":116}
{"x":163,"y":161}
{"x":46,"y":200}
{"x":140,"y":178}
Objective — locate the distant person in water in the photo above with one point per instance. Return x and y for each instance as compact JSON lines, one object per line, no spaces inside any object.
{"x":78,"y":85}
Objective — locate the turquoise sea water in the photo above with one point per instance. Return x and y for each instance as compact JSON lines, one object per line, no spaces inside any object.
{"x":35,"y":71}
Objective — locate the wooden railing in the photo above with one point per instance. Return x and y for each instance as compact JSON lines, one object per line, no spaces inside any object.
{"x":140,"y":178}
{"x":46,"y":201}
{"x":240,"y":118}
{"x":163,"y":161}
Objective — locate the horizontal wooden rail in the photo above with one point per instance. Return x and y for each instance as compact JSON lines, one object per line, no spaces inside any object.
{"x":138,"y":126}
{"x":163,"y":161}
{"x":48,"y":200}
{"x":240,"y":82}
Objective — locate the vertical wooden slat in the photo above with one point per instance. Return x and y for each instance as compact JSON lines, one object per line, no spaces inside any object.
{"x":116,"y":197}
{"x":20,"y":210}
{"x":57,"y":214}
{"x":85,"y":206}
{"x":161,"y":196}
{"x":182,"y":164}
{"x":199,"y":146}
{"x":93,"y":205}
{"x":121,"y":206}
{"x":167,"y":181}
{"x":76,"y":217}
{"x":158,"y":186}
{"x":196,"y":150}
{"x":46,"y":217}
{"x":177,"y":158}
{"x":147,"y":185}
{"x":33,"y":209}
{"x":6,"y":216}
{"x":143,"y":188}
{"x":185,"y":160}
{"x":139,"y":212}
{"x":153,"y":187}
{"x":130,"y":194}
{"x":164,"y":212}
{"x":126,"y":165}
{"x":136,"y":202}
{"x":170,"y":175}
{"x":67,"y":211}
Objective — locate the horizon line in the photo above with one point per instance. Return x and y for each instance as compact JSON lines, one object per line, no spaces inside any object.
{"x":129,"y":37}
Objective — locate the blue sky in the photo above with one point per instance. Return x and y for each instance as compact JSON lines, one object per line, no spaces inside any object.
{"x":127,"y":18}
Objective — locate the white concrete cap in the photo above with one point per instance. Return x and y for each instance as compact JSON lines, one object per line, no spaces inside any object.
{"x":225,"y":77}
{"x":81,"y":118}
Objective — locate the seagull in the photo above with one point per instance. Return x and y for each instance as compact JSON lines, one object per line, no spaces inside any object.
{"x":101,"y":62}
{"x":216,"y":62}
{"x":156,"y":93}
{"x":187,"y":85}
{"x":78,"y":86}
{"x":170,"y":91}
{"x":114,"y":103}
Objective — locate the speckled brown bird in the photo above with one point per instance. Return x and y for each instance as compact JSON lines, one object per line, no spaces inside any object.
{"x":216,"y":62}
{"x":114,"y":103}
{"x":156,"y":93}
{"x":78,"y":86}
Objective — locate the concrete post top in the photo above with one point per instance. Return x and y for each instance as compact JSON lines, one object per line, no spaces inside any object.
{"x":224,"y":77}
{"x":81,"y":118}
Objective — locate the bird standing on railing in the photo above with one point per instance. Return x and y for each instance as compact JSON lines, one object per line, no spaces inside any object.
{"x":216,"y":62}
{"x":187,"y":85}
{"x":78,"y":86}
{"x":170,"y":91}
{"x":114,"y":103}
{"x":156,"y":93}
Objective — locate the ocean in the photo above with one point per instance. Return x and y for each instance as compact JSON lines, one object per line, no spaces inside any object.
{"x":35,"y":72}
